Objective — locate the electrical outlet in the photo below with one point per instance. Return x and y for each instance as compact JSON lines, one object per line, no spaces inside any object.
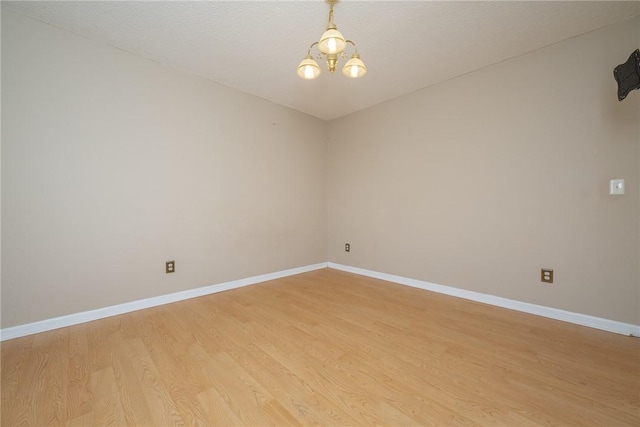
{"x":546,"y":275}
{"x":347,"y":247}
{"x":170,"y":267}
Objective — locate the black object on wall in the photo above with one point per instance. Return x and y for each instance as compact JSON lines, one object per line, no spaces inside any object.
{"x":628,"y":75}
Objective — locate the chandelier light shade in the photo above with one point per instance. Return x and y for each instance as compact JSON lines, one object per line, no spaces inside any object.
{"x":354,"y":67}
{"x":331,"y":47}
{"x":308,"y":68}
{"x":332,"y":41}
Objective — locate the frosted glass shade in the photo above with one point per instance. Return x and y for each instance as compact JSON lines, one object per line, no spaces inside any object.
{"x":354,"y":67}
{"x":308,"y":68}
{"x":332,"y":42}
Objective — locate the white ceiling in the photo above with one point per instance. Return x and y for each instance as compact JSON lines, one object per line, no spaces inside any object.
{"x":255,"y":46}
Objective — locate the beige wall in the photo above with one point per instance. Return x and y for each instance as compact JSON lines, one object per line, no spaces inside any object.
{"x":479,"y":182}
{"x":112,"y":164}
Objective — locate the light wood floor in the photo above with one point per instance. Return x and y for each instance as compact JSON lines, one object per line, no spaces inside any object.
{"x":325,"y":348}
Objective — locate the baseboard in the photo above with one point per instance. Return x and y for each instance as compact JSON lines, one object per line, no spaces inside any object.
{"x":539,"y":310}
{"x":101,"y":313}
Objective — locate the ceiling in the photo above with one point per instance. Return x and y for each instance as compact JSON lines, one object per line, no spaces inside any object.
{"x":255,"y":46}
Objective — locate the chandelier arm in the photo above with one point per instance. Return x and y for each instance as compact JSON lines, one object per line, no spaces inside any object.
{"x":355,"y":48}
{"x":311,"y":47}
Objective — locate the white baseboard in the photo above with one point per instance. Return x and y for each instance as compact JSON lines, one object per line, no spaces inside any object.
{"x":101,"y":313}
{"x":539,"y":310}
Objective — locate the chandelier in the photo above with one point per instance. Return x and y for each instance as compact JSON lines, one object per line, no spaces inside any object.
{"x":332,"y":45}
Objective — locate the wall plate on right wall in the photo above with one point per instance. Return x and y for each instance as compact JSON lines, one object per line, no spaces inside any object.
{"x":616,"y":187}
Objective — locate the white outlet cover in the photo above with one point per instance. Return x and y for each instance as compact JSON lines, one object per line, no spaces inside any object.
{"x":616,"y":187}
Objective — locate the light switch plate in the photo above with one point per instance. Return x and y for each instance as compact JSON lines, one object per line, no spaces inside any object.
{"x":616,"y":187}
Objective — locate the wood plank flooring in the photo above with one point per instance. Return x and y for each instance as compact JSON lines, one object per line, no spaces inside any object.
{"x":322,"y":348}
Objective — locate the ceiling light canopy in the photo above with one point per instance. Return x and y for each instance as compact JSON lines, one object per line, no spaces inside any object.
{"x":331,"y":45}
